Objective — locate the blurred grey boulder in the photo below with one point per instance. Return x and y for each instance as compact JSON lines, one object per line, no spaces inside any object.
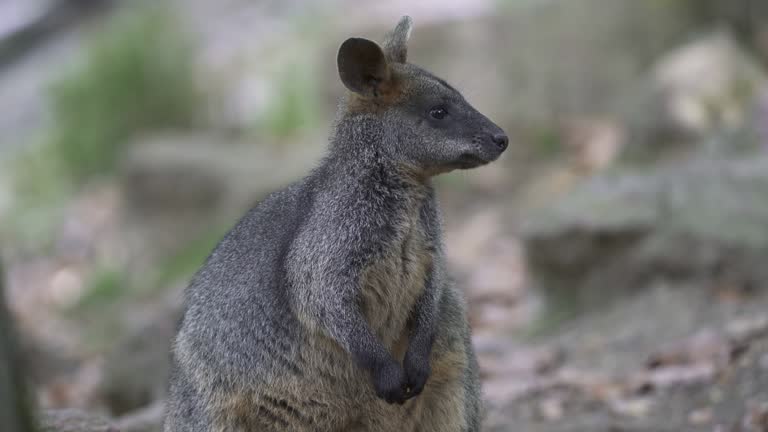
{"x":702,"y":220}
{"x":177,"y":172}
{"x":709,"y":83}
{"x":177,"y":184}
{"x":706,"y":88}
{"x":148,"y":419}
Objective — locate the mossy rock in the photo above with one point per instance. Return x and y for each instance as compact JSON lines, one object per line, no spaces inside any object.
{"x":702,"y":220}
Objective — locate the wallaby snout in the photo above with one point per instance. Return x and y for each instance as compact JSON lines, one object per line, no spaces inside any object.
{"x":495,"y":141}
{"x":486,"y":146}
{"x":501,"y":141}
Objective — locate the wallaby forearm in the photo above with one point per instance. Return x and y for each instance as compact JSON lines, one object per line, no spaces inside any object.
{"x":344,"y":323}
{"x":347,"y":326}
{"x":424,"y":315}
{"x":424,"y":318}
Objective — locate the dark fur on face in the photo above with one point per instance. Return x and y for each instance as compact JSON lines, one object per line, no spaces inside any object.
{"x":426,"y":124}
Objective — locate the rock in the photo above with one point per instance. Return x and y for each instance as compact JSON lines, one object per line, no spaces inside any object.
{"x":708,"y":83}
{"x":176,"y":185}
{"x":149,"y":419}
{"x":620,"y":231}
{"x":70,"y":420}
{"x":704,"y":87}
{"x":174,"y":173}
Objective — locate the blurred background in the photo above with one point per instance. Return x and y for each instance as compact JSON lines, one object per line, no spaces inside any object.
{"x":614,"y":259}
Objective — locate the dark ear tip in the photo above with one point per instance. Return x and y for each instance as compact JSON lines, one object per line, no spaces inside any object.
{"x":355,"y":44}
{"x":353,"y":47}
{"x":351,"y":41}
{"x":354,"y":50}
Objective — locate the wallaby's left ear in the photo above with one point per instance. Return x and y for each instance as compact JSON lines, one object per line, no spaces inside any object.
{"x":362,"y":66}
{"x":396,"y":42}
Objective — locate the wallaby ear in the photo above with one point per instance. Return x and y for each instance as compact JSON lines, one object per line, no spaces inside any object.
{"x":396,"y":42}
{"x":362,"y":66}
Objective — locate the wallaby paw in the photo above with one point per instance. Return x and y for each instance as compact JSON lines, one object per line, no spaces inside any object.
{"x":389,"y":383}
{"x":417,"y":371}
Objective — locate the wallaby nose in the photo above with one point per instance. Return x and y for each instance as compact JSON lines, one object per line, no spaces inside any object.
{"x":501,"y":141}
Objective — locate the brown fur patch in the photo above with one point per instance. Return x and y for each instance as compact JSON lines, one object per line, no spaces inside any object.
{"x":449,"y":366}
{"x":389,"y":93}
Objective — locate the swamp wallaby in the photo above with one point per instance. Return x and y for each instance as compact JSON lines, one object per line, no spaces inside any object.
{"x":327,"y":307}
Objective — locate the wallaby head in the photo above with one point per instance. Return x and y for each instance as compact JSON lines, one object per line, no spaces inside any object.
{"x":427,"y":125}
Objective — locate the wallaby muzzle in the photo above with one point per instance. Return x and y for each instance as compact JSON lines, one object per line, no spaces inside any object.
{"x":486,"y":146}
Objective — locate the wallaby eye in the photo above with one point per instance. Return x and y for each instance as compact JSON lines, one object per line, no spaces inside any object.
{"x":438,"y":112}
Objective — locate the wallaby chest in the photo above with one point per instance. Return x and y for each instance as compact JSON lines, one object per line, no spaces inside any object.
{"x":391,"y":285}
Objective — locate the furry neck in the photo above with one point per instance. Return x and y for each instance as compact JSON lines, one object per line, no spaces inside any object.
{"x":359,"y":148}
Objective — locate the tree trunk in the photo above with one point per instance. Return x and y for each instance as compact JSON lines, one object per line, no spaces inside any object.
{"x":15,"y":409}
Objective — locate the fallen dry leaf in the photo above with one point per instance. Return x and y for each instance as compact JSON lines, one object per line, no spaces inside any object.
{"x":551,"y":408}
{"x":637,"y":408}
{"x":700,"y":416}
{"x":756,"y":418}
{"x":705,"y":346}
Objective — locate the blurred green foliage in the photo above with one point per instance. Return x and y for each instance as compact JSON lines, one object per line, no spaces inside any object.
{"x":104,"y":287}
{"x":137,"y":75}
{"x":295,"y":106}
{"x":108,"y":286}
{"x":98,"y":308}
{"x":40,"y":198}
{"x":109,"y":290}
{"x":547,"y":142}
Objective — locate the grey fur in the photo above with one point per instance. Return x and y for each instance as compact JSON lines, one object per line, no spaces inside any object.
{"x":395,"y":43}
{"x":327,"y":307}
